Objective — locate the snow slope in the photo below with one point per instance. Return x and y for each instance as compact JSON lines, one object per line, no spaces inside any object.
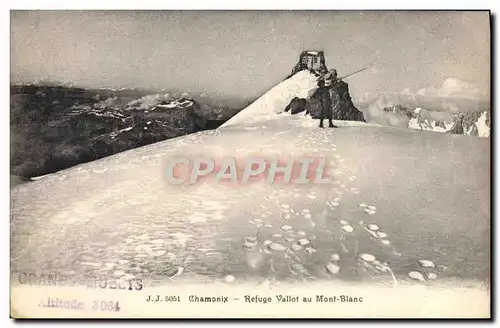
{"x":425,"y":190}
{"x":302,"y":85}
{"x":119,"y":217}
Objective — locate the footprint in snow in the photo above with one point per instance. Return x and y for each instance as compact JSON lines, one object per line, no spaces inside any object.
{"x":415,"y":275}
{"x":257,"y":224}
{"x":344,"y":249}
{"x":347,"y":228}
{"x":367,"y":257}
{"x":249,"y":245}
{"x":431,"y":276}
{"x":309,"y":250}
{"x":303,"y":242}
{"x":426,"y":263}
{"x":229,"y":278}
{"x":442,"y":267}
{"x":369,"y":211}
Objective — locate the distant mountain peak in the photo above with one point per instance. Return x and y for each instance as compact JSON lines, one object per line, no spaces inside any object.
{"x":473,"y":123}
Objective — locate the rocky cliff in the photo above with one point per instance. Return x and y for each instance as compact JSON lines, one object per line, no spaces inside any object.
{"x":342,"y":105}
{"x":53,"y":128}
{"x":473,"y":123}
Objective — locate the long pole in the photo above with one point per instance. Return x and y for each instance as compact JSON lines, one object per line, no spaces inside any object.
{"x":343,"y":77}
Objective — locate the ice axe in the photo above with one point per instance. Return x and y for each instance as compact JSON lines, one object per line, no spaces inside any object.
{"x":328,"y":77}
{"x":343,"y":77}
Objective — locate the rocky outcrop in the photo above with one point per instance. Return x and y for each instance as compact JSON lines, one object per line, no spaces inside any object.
{"x":165,"y":120}
{"x":53,"y":128}
{"x":213,"y":117}
{"x":476,"y":123}
{"x":297,"y":105}
{"x":423,"y":119}
{"x":342,"y":106}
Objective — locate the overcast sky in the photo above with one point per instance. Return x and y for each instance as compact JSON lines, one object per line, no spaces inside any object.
{"x":246,"y":53}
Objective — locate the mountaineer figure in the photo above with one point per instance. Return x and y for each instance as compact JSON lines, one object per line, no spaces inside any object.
{"x":326,"y":103}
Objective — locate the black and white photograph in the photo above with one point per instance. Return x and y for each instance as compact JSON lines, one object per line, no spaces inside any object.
{"x":250,"y":164}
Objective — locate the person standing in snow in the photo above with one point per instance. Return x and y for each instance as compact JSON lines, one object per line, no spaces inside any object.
{"x":323,"y":93}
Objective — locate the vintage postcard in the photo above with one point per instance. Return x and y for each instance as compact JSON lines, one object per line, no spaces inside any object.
{"x":250,"y":164}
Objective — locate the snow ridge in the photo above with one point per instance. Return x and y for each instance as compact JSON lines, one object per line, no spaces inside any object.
{"x":302,"y":85}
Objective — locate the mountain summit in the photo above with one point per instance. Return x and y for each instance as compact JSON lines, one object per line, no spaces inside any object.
{"x":311,"y":60}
